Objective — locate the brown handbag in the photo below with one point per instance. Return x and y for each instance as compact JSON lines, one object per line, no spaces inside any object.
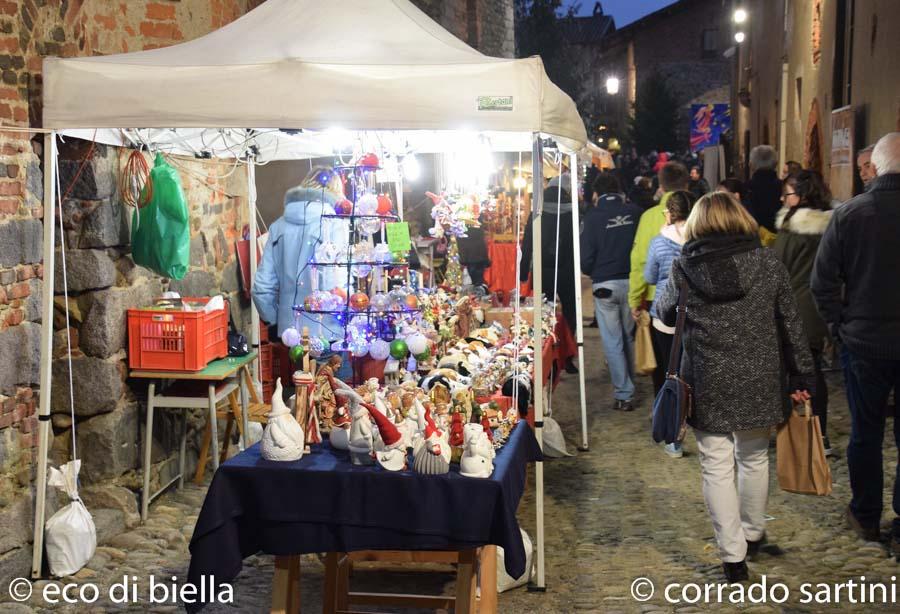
{"x":644,"y":358}
{"x":800,"y":455}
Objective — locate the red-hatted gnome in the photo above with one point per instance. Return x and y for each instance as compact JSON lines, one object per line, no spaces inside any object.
{"x":390,"y":451}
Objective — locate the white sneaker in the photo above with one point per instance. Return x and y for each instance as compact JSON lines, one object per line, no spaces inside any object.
{"x":674,"y":450}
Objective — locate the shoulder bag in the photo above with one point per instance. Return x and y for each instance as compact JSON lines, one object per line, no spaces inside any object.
{"x":673,"y":403}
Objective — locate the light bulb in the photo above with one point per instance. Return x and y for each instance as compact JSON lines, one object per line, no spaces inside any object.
{"x":519,"y":182}
{"x":612,"y":85}
{"x":739,"y":37}
{"x":740,"y":16}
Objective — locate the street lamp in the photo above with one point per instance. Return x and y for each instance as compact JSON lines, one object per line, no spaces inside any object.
{"x":739,"y":37}
{"x":740,"y":16}
{"x":612,"y":85}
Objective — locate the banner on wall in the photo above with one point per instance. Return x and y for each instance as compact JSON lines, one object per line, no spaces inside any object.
{"x":842,"y":171}
{"x":708,"y":122}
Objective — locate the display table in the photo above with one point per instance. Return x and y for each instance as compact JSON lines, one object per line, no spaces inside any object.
{"x":322,"y":503}
{"x":220,"y":384}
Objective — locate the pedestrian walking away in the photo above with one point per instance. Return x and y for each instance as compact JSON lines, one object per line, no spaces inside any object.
{"x":744,"y":350}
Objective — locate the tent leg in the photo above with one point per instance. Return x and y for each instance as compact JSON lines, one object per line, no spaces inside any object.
{"x":579,"y":313}
{"x":46,"y":351}
{"x":537,"y":396}
{"x":254,"y":314}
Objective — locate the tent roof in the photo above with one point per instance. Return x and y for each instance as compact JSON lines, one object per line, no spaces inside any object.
{"x":354,"y":64}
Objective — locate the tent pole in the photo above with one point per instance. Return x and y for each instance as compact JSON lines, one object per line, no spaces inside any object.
{"x":579,"y":314}
{"x":46,"y":350}
{"x":254,"y":314}
{"x":537,"y":204}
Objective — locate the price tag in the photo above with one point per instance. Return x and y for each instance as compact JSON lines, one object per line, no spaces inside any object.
{"x":398,"y":237}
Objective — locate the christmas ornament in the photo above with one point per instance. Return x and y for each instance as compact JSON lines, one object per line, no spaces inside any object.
{"x":416,"y":343}
{"x":369,"y":160}
{"x":412,"y":301}
{"x":339,"y":292}
{"x":422,"y":357}
{"x":362,"y":253}
{"x":367,"y":204}
{"x":359,"y":301}
{"x":290,"y":337}
{"x":343,"y":207}
{"x":379,"y":349}
{"x":317,"y":346}
{"x":382,"y":254}
{"x":311,"y":303}
{"x":399,"y":349}
{"x":384,"y":204}
{"x":380,"y":302}
{"x":358,"y":347}
{"x":296,"y":353}
{"x":327,"y":252}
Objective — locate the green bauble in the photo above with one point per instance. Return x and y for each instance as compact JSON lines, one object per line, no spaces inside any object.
{"x":399,"y":349}
{"x":296,"y":353}
{"x":424,"y":355}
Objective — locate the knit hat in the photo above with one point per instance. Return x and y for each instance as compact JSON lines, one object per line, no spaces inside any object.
{"x":389,"y":433}
{"x":430,"y":427}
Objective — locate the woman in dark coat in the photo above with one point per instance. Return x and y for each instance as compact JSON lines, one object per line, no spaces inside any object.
{"x":744,"y":352}
{"x":801,"y":223}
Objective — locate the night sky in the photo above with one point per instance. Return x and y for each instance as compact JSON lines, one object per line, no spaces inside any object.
{"x":624,"y":11}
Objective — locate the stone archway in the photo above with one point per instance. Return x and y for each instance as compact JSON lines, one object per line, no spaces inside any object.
{"x":812,"y":151}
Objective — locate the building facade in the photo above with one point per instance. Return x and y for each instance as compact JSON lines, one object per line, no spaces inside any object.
{"x":813,"y":74}
{"x":684,"y":42}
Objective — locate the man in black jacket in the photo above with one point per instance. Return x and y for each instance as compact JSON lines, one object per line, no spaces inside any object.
{"x":606,"y":243}
{"x":763,"y":198}
{"x":854,"y":282}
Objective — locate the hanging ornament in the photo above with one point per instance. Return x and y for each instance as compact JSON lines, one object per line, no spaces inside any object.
{"x":296,"y":353}
{"x":317,"y":346}
{"x":379,"y":349}
{"x":343,"y":207}
{"x":423,"y":356}
{"x":359,"y":301}
{"x":311,"y":303}
{"x":399,"y":349}
{"x":340,"y":293}
{"x":367,"y":204}
{"x":369,"y":160}
{"x":382,"y":254}
{"x":362,"y":253}
{"x":384,"y":204}
{"x":412,"y":301}
{"x":290,"y":337}
{"x":358,"y":347}
{"x":327,"y":252}
{"x":380,"y":302}
{"x":416,"y":343}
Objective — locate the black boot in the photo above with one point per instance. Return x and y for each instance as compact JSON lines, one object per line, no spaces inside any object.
{"x":736,"y":572}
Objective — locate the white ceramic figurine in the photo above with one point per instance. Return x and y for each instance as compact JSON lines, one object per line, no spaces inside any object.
{"x":283,"y":438}
{"x":478,"y":453}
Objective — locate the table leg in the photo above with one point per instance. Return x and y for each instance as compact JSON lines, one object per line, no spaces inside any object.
{"x":148,"y":447}
{"x":182,"y":449}
{"x":286,"y":585}
{"x":488,"y":580}
{"x":245,"y":382}
{"x":202,"y":456}
{"x":465,"y":583}
{"x":342,"y":599}
{"x":329,"y":593}
{"x":213,"y":428}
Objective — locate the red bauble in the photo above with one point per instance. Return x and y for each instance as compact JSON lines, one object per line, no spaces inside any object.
{"x":368,"y":160}
{"x":384,"y":204}
{"x":343,"y":207}
{"x":359,"y":301}
{"x":339,"y":292}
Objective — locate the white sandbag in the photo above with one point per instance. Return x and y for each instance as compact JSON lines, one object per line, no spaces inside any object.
{"x":554,"y":442}
{"x":504,"y":580}
{"x":70,"y":536}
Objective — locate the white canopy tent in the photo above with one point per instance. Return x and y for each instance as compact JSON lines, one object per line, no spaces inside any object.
{"x":301,"y":64}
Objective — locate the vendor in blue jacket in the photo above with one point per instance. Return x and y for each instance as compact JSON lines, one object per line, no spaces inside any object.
{"x":606,"y":242}
{"x":284,"y":278}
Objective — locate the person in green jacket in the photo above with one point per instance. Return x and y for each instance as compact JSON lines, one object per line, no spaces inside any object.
{"x":673,"y":176}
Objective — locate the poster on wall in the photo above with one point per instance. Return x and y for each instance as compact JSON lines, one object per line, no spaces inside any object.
{"x":842,"y":155}
{"x":708,"y":122}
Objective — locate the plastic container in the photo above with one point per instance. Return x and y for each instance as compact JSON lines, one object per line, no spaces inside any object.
{"x":176,"y":340}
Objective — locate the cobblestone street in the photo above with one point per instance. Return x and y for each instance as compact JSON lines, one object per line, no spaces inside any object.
{"x":618,"y":512}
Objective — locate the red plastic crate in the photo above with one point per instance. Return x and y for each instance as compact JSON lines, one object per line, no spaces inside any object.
{"x":268,"y":389}
{"x":176,"y":340}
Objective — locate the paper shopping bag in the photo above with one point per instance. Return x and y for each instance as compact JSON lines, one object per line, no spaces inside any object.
{"x":800,"y":455}
{"x":644,"y":358}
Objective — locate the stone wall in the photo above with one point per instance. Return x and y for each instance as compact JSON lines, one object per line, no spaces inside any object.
{"x":486,"y":25}
{"x":103,"y":280}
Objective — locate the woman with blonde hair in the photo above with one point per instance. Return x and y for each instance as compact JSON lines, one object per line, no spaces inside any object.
{"x":745,"y":357}
{"x":283,"y":278}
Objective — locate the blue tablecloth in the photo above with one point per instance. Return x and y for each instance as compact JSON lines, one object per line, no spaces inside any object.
{"x":322,"y":503}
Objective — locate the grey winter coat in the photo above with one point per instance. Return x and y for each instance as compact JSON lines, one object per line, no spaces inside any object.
{"x":744,"y":345}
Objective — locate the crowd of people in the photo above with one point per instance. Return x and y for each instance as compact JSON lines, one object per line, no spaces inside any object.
{"x":773,"y":272}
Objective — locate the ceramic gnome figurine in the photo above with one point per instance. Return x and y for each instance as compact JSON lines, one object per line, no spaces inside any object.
{"x":390,"y":451}
{"x":361,"y":439}
{"x":433,"y":454}
{"x":283,"y":438}
{"x":477,"y":459}
{"x":339,"y":436}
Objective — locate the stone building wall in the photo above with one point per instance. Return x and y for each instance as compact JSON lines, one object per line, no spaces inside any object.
{"x":486,"y":25}
{"x":103,"y":280}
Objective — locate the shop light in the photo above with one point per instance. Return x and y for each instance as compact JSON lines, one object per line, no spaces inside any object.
{"x":739,"y":37}
{"x":612,"y":85}
{"x":519,"y":182}
{"x":410,"y":166}
{"x":740,"y":16}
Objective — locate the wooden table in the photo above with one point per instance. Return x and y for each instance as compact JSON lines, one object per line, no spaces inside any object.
{"x":223,"y":377}
{"x":337,"y":596}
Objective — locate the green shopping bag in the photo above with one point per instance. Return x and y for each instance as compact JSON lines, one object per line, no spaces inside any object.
{"x":160,"y":232}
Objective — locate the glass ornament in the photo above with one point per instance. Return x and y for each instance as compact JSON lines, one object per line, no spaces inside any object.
{"x":412,"y":301}
{"x":317,"y":346}
{"x":367,"y":204}
{"x":296,"y":353}
{"x":416,"y":342}
{"x":384,"y":204}
{"x":358,"y":347}
{"x":290,"y":337}
{"x":379,"y":349}
{"x":343,"y":207}
{"x":382,"y":254}
{"x":399,"y":350}
{"x":327,"y":252}
{"x":422,"y":357}
{"x":311,"y":303}
{"x":359,"y":301}
{"x":368,"y":226}
{"x":380,"y":302}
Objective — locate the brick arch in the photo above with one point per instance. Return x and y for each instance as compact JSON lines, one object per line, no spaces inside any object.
{"x":812,"y":151}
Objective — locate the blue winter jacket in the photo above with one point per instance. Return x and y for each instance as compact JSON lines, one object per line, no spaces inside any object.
{"x":283,"y":278}
{"x":663,"y":250}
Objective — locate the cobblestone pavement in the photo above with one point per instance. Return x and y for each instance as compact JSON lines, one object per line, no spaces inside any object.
{"x":621,"y":511}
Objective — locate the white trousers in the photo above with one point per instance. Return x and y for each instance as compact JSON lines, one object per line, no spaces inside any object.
{"x":738,"y":515}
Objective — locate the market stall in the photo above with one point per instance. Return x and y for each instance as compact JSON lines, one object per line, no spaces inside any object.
{"x":387,"y":67}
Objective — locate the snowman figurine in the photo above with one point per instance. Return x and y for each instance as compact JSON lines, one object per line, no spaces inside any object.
{"x":283,"y":439}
